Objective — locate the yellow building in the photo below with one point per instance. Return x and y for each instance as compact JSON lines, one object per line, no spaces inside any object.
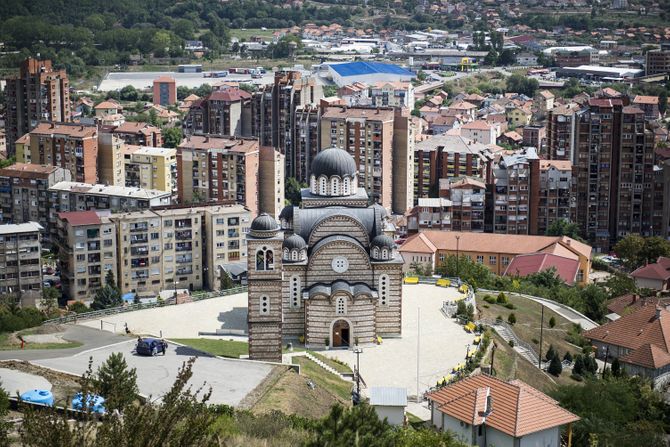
{"x":519,"y":117}
{"x":23,"y":149}
{"x":496,"y":251}
{"x":150,"y":167}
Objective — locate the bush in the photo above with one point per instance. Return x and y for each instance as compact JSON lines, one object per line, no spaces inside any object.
{"x":555,"y":367}
{"x":499,"y":319}
{"x":552,"y":322}
{"x":511,"y":343}
{"x":535,"y":341}
{"x":510,"y":306}
{"x":78,"y":307}
{"x":502,"y":298}
{"x":568,"y":357}
{"x":489,"y":299}
{"x":486,"y":306}
{"x":576,"y":377}
{"x":550,"y":353}
{"x":511,"y":319}
{"x":15,"y":318}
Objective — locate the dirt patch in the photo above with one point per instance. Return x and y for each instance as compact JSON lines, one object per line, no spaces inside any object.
{"x":262,"y":388}
{"x":292,"y":394}
{"x":64,"y":385}
{"x":45,"y":338}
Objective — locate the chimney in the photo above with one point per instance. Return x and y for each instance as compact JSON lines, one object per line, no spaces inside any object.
{"x":635,"y":297}
{"x":567,"y":241}
{"x":658,"y":312}
{"x":489,"y":403}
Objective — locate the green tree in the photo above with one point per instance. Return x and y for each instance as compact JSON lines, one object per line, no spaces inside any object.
{"x":461,"y":309}
{"x":293,"y":190}
{"x":605,"y":407}
{"x":555,"y":366}
{"x":226,"y":281}
{"x":4,"y":424}
{"x":345,"y":427}
{"x":517,"y":83}
{"x":160,"y":43}
{"x":172,"y":136}
{"x":563,"y":227}
{"x":593,"y":299}
{"x":116,"y":382}
{"x":49,"y":301}
{"x":631,"y":250}
{"x":619,"y":284}
{"x":473,"y":273}
{"x":129,"y":93}
{"x":153,"y":117}
{"x":552,"y":322}
{"x":567,"y":357}
{"x":511,"y":319}
{"x":616,"y":367}
{"x":107,"y":296}
{"x":550,"y":353}
{"x":578,"y":367}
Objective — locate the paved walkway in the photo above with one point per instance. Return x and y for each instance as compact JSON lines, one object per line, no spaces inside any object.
{"x":443,"y":344}
{"x":566,"y":312}
{"x":228,"y":313}
{"x":14,"y":382}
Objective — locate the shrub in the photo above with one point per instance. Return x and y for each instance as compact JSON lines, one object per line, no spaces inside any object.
{"x":576,"y":377}
{"x":499,"y":318}
{"x":555,"y":367}
{"x":486,"y":306}
{"x":489,"y":299}
{"x":511,"y":319}
{"x":552,"y":322}
{"x":502,"y":298}
{"x":550,"y":353}
{"x":510,"y":306}
{"x":78,"y":307}
{"x":578,"y":367}
{"x":535,"y":341}
{"x":511,"y":343}
{"x":568,"y":357}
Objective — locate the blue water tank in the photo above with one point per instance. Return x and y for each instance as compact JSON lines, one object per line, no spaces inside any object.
{"x":95,"y":402}
{"x":38,"y":397}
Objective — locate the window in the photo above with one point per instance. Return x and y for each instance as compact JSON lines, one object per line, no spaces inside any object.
{"x":493,"y":260}
{"x":295,"y":291}
{"x":383,"y":289}
{"x":322,"y":186}
{"x":480,"y":259}
{"x":264,"y":259}
{"x":504,"y":260}
{"x":341,"y":307}
{"x":265,"y":305}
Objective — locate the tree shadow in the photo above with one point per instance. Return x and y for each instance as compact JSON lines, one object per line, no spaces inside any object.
{"x":234,"y":319}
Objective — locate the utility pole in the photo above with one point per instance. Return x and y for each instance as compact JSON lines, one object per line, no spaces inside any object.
{"x":357,"y":395}
{"x":458,"y":238}
{"x":539,"y":360}
{"x":418,"y":346}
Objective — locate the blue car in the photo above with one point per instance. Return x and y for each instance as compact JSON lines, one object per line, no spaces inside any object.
{"x":150,"y":346}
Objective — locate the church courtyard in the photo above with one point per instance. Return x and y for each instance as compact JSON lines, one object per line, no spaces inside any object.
{"x":442,"y":344}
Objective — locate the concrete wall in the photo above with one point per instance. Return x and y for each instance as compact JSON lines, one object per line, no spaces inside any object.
{"x":460,"y":429}
{"x":650,"y":284}
{"x":495,"y":438}
{"x":544,"y":438}
{"x":394,"y":415}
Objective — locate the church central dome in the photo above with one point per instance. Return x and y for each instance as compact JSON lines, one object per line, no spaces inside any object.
{"x":332,"y":162}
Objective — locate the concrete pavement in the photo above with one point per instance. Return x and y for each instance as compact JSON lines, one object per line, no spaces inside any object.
{"x":231,"y":380}
{"x":14,"y":382}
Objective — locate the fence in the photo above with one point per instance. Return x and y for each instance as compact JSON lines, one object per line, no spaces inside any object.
{"x":96,"y":314}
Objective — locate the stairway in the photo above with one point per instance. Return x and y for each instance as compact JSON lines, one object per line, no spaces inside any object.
{"x":322,"y":364}
{"x":519,"y":346}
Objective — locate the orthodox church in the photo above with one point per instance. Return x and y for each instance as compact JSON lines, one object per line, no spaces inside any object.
{"x":327,"y":271}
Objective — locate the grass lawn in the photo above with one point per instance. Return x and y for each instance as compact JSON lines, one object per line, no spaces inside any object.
{"x":8,"y":343}
{"x":223,"y":348}
{"x":330,"y":382}
{"x":339,"y":367}
{"x":527,"y":327}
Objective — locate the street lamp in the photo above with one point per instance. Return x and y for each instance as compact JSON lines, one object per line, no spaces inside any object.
{"x":357,"y":396}
{"x":174,"y":283}
{"x":458,"y":238}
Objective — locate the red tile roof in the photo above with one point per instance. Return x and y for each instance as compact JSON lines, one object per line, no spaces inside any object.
{"x":630,"y":302}
{"x":649,"y":356}
{"x":77,"y":218}
{"x":524,"y":265}
{"x":659,"y":270}
{"x":517,"y":409}
{"x":231,"y":94}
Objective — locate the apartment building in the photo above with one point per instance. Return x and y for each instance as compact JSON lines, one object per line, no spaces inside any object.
{"x":391,"y":94}
{"x":137,"y":133}
{"x":150,"y":168}
{"x":562,"y":122}
{"x":448,"y":156}
{"x":71,"y":146}
{"x":225,"y":244}
{"x":649,"y":105}
{"x":468,"y":202}
{"x":555,"y":202}
{"x":222,"y":112}
{"x":73,"y":196}
{"x":110,"y":159}
{"x":24,"y":193}
{"x":535,"y":136}
{"x":515,"y":193}
{"x":38,"y":93}
{"x":215,"y":169}
{"x":614,"y":172}
{"x":367,"y":134}
{"x":86,"y":242}
{"x":20,"y":262}
{"x":405,"y":130}
{"x":271,"y":181}
{"x":480,"y":131}
{"x":306,"y":138}
{"x":430,"y":213}
{"x":658,"y":61}
{"x":165,"y":91}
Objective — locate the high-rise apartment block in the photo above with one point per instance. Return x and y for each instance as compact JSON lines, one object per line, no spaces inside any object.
{"x":468,"y":202}
{"x":24,"y":193}
{"x":110,"y":159}
{"x":658,"y":61}
{"x":562,"y":124}
{"x":20,"y":262}
{"x":86,"y":242}
{"x":150,"y":168}
{"x":306,"y":139}
{"x":165,"y":91}
{"x":137,"y":133}
{"x":223,"y":112}
{"x":38,"y":93}
{"x":271,"y":181}
{"x":555,"y":191}
{"x":71,"y":146}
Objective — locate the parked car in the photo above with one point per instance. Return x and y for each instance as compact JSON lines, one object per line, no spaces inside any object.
{"x":150,"y":346}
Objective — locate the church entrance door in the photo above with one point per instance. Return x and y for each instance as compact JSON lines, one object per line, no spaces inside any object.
{"x":341,"y":333}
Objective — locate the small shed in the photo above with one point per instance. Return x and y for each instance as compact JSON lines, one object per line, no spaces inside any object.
{"x":389,"y":403}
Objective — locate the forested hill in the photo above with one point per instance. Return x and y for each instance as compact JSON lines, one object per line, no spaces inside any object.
{"x":97,"y":32}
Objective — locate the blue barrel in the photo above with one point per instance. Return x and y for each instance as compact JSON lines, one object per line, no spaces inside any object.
{"x":95,"y":403}
{"x":38,"y":397}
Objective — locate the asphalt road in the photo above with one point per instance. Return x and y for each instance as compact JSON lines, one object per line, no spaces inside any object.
{"x":231,"y":380}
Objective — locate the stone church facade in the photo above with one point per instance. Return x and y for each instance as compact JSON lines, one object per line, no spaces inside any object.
{"x":327,"y":271}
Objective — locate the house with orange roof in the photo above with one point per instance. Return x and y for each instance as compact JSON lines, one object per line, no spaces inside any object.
{"x":108,"y":107}
{"x":655,"y":276}
{"x":480,"y":131}
{"x":486,"y":411}
{"x":495,"y":251}
{"x":639,"y":339}
{"x":649,"y":104}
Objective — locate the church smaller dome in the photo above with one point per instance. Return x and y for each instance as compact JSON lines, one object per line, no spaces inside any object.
{"x":294,"y":242}
{"x":332,"y":162}
{"x":286,"y":213}
{"x":264,"y":226}
{"x":382,"y":211}
{"x":383,"y":241}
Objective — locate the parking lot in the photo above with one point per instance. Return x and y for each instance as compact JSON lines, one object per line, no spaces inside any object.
{"x":231,"y":380}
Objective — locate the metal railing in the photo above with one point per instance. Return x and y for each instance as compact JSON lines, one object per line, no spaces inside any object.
{"x":517,"y":341}
{"x":95,"y":314}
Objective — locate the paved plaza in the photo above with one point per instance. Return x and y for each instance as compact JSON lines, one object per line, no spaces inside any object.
{"x":183,"y":321}
{"x":231,"y":380}
{"x":442,"y":344}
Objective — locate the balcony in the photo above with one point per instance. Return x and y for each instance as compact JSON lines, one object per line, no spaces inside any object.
{"x":139,"y":239}
{"x":139,"y":251}
{"x":140,"y":262}
{"x":184,"y":246}
{"x":182,"y":235}
{"x":134,"y":228}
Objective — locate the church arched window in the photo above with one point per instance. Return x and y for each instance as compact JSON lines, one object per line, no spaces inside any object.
{"x":294,"y":255}
{"x":375,"y":252}
{"x":264,"y":259}
{"x":286,"y":254}
{"x":385,"y":253}
{"x":312,"y":184}
{"x":346,"y":186}
{"x":341,"y":306}
{"x":334,"y":186}
{"x":322,"y":185}
{"x":269,"y":260}
{"x":260,"y":260}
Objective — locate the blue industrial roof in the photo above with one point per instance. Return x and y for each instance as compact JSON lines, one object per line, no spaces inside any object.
{"x":363,"y":68}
